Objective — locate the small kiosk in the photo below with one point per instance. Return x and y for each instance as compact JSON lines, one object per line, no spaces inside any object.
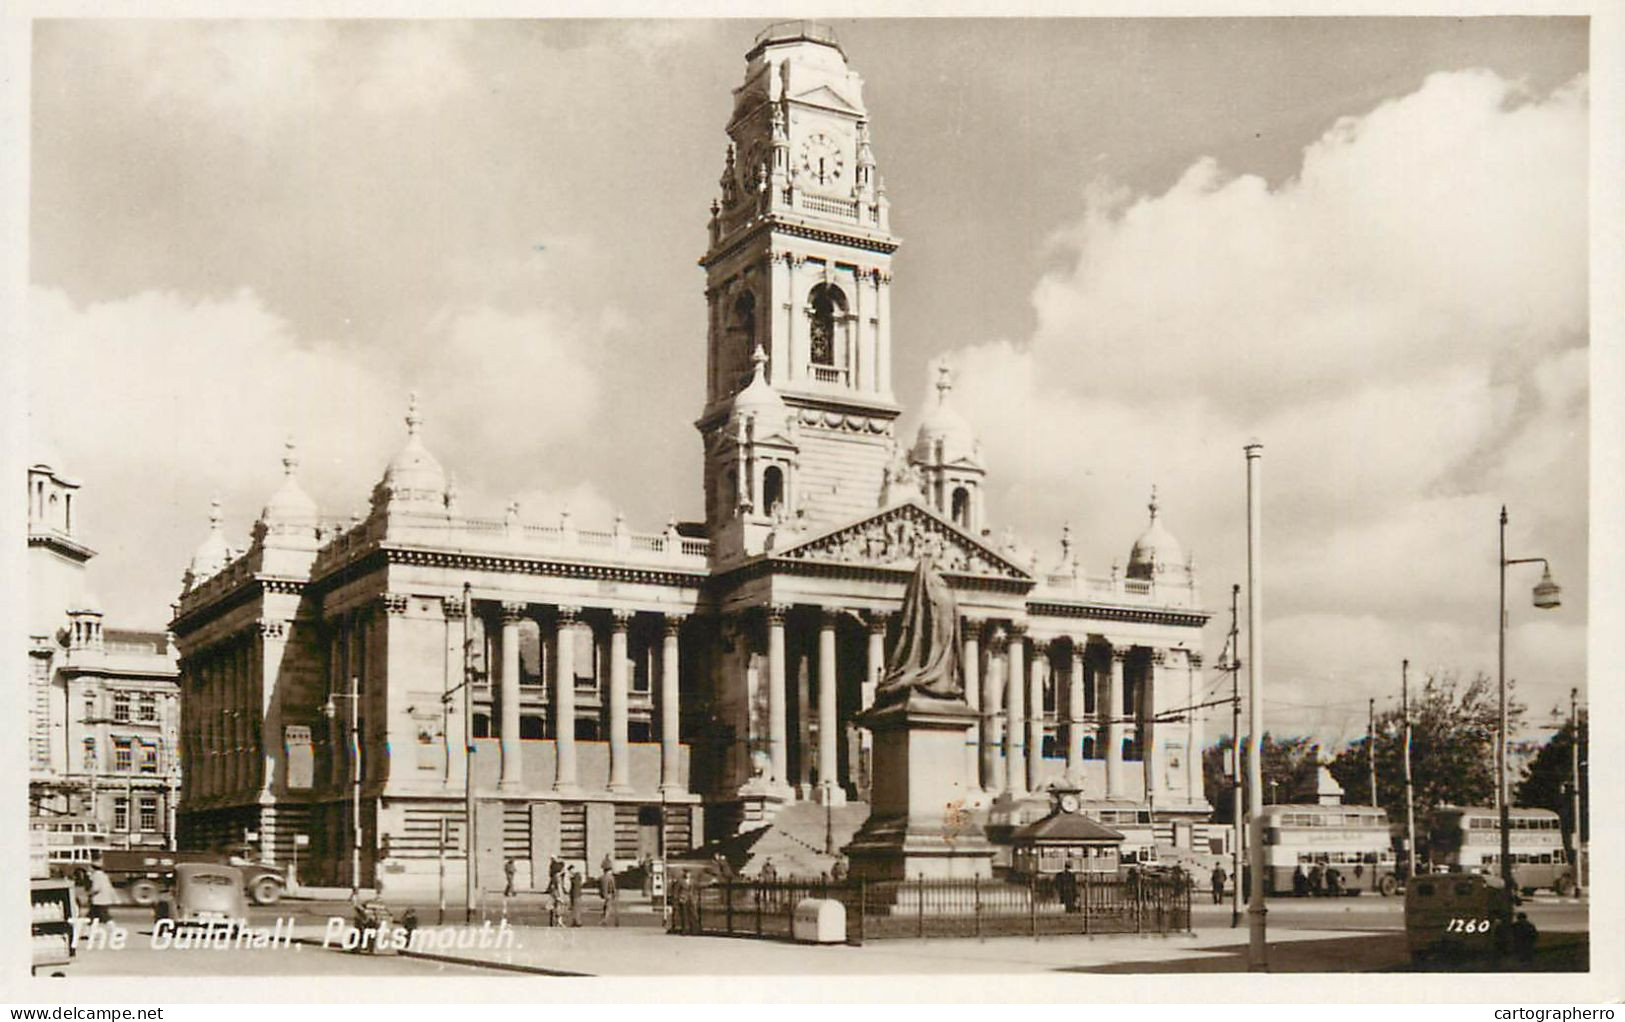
{"x":1066,"y":835}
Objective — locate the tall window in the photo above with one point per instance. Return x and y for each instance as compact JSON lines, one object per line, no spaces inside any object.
{"x":148,"y":707}
{"x":121,"y":814}
{"x":742,"y":329}
{"x":90,"y":708}
{"x":1089,"y":747}
{"x":825,"y":303}
{"x":149,"y":758}
{"x":121,"y":707}
{"x":961,"y":507}
{"x":90,"y":754}
{"x":121,"y":755}
{"x":772,"y":489}
{"x":149,"y":815}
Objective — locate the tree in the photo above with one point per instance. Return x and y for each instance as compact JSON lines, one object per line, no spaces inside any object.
{"x":1452,"y":749}
{"x":1547,"y":778}
{"x":1288,"y":768}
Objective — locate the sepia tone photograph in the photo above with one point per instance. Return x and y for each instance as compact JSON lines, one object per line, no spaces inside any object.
{"x":585,"y":498}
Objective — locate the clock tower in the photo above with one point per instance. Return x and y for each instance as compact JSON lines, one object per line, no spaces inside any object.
{"x":798,"y":285}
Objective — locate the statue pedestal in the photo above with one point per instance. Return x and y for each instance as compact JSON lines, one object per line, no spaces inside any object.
{"x":919,"y":823}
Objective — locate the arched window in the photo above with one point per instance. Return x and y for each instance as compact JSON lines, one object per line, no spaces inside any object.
{"x":772,"y":489}
{"x":960,"y":512}
{"x":825,"y":303}
{"x":1131,"y":750}
{"x":530,"y":727}
{"x":1089,"y":747}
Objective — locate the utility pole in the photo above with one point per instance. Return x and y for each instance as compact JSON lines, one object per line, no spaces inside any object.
{"x":1371,"y":747}
{"x":1257,"y":948}
{"x":355,"y":784}
{"x":470,"y":805}
{"x":1410,"y":805}
{"x":1574,"y":784}
{"x":1236,"y":838}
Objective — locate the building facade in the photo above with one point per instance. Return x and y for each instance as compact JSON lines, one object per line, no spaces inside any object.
{"x":633,"y":693}
{"x":103,"y":706}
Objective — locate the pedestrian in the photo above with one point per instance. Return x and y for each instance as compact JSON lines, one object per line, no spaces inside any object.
{"x":1334,"y":882}
{"x":838,"y":872}
{"x":509,"y":869}
{"x":675,"y":886}
{"x":1218,"y":885}
{"x":1524,"y":936}
{"x":1317,"y":880}
{"x":770,"y":873}
{"x":1066,"y":886}
{"x":101,"y":894}
{"x":574,"y":880}
{"x":555,"y":896}
{"x":1300,"y":881}
{"x":606,"y":890}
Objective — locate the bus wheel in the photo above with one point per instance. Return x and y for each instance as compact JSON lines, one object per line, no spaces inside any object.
{"x":1564,"y":886}
{"x":143,"y":892}
{"x":1387,"y":886}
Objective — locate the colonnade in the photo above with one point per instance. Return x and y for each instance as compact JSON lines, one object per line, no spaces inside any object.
{"x":562,"y":691}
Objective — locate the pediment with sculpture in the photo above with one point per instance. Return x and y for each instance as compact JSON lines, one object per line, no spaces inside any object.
{"x":897,"y":538}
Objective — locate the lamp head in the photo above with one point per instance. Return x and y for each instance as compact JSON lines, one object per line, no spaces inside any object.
{"x":1547,"y":592}
{"x":328,"y":709}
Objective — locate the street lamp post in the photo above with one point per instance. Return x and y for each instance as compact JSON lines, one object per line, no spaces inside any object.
{"x":1546,"y":596}
{"x":354,"y":696}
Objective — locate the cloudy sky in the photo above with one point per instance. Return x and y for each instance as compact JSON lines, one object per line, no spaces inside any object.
{"x":1141,"y":242}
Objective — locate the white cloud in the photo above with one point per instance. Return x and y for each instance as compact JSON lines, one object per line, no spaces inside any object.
{"x":123,"y":392}
{"x":1403,"y":323}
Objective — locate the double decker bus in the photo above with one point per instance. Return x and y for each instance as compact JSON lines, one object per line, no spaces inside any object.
{"x":1467,"y":839}
{"x":1354,"y":840}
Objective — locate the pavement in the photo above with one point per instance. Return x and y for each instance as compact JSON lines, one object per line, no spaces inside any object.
{"x":1308,"y":935}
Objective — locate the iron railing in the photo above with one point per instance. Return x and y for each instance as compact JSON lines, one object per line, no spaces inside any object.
{"x":877,"y":910}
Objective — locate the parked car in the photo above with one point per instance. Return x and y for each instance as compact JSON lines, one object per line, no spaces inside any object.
{"x":144,"y":873}
{"x":203,"y":892}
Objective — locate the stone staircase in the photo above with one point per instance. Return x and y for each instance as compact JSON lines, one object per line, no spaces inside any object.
{"x":794,"y":840}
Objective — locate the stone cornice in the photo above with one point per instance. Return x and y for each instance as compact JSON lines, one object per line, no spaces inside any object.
{"x":541,"y":566}
{"x":191,"y":618}
{"x":1131,"y":615}
{"x":772,"y":224}
{"x":769,"y":565}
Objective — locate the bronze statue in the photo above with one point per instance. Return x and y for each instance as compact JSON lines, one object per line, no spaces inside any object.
{"x":925,"y":658}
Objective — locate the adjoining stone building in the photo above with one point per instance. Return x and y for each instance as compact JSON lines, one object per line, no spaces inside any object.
{"x":638,"y":691}
{"x":102,"y":705}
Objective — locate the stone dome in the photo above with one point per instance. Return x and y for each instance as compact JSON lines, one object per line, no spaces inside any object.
{"x":413,"y":475}
{"x":759,"y":398}
{"x":290,"y":506}
{"x":213,"y":553}
{"x":1156,"y":551}
{"x":943,"y":424}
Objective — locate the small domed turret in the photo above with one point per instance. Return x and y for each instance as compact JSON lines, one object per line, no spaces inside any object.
{"x":290,"y":507}
{"x":1157,"y":553}
{"x":213,"y":553}
{"x":759,"y":397}
{"x":414,"y":478}
{"x":943,"y":424}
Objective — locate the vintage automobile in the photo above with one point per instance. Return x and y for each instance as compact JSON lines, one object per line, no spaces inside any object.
{"x":203,"y":892}
{"x":1455,"y":918}
{"x":144,"y":873}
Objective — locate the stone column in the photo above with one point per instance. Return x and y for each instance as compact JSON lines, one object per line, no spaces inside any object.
{"x":670,"y":718}
{"x":451,"y":715}
{"x":1036,"y":670}
{"x":1112,"y":713}
{"x":512,"y":771}
{"x":992,"y":687}
{"x":973,"y":698}
{"x":777,"y":729}
{"x":564,"y":701}
{"x":1015,"y":752}
{"x":876,"y":664}
{"x":1074,"y":715}
{"x":620,"y":753}
{"x":1193,"y":742}
{"x":1145,"y":728}
{"x":828,"y":729}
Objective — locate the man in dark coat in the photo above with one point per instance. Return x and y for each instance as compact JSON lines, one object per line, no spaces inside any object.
{"x":1066,"y":887}
{"x":1218,"y":885}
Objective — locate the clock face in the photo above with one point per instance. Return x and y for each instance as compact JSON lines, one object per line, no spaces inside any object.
{"x":822,"y":160}
{"x":1069,"y":803}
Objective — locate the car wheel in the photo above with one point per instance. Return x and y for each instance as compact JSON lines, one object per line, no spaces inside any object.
{"x":266,"y":891}
{"x":144,"y":892}
{"x":1387,"y":886}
